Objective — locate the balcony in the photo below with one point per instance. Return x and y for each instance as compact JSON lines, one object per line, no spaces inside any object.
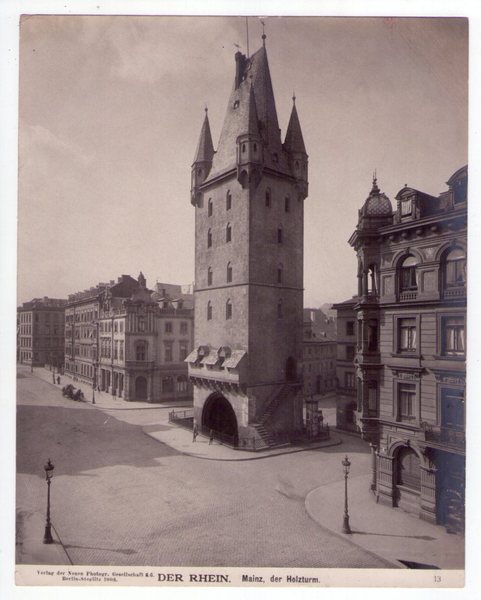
{"x":446,"y":436}
{"x":454,"y":292}
{"x":409,"y":295}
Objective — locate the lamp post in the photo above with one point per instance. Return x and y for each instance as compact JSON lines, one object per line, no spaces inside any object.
{"x":345,"y":524}
{"x":47,"y":538}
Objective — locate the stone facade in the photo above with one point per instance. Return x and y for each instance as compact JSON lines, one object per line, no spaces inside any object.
{"x":41,"y":332}
{"x":411,"y":318}
{"x":248,"y":198}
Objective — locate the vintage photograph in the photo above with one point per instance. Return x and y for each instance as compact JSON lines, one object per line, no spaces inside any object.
{"x":241,"y":301}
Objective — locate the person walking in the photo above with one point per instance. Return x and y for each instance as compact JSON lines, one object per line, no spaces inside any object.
{"x":58,"y":379}
{"x":195,"y":432}
{"x":211,"y":436}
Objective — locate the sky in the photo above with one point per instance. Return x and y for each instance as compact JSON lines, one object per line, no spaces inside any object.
{"x":111,"y":107}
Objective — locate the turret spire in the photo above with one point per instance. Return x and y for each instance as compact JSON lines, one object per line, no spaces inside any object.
{"x":205,"y":147}
{"x":294,"y":141}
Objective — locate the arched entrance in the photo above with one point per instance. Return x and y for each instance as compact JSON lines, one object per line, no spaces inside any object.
{"x":408,"y":479}
{"x":291,"y":371}
{"x":141,"y":388}
{"x":219,"y":416}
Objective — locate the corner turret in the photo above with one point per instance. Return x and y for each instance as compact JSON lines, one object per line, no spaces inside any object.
{"x":296,"y":151}
{"x":203,"y":160}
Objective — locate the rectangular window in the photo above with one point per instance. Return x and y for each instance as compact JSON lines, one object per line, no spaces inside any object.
{"x":168,"y":353}
{"x":406,"y":400}
{"x":121,"y":350}
{"x":406,"y":207}
{"x":407,"y":341}
{"x":350,"y":328}
{"x":372,"y":397}
{"x":452,"y":409}
{"x":168,"y":327}
{"x":183,"y":352}
{"x":350,"y":351}
{"x":453,"y":336}
{"x":183,"y":327}
{"x":349,"y":380}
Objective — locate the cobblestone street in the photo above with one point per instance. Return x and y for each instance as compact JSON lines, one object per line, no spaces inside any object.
{"x":120,"y":497}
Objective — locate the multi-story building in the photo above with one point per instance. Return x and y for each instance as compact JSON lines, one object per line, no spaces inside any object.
{"x":319,"y":354}
{"x":347,"y":416}
{"x":130,"y":341}
{"x":41,"y":332}
{"x":411,"y":319}
{"x":248,"y":197}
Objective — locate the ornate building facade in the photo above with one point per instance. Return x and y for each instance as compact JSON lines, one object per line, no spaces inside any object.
{"x":130,"y":341}
{"x":410,"y":361}
{"x":248,"y":197}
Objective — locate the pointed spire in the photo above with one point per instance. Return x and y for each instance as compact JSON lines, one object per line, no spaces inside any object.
{"x":375,"y":189}
{"x":252,"y":119}
{"x":294,"y":141}
{"x":205,"y":147}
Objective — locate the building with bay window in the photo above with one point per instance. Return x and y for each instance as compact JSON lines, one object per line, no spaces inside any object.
{"x":410,"y":319}
{"x":130,"y":341}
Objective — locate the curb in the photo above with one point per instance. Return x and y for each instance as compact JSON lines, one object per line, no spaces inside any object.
{"x":343,"y":536}
{"x":331,"y":443}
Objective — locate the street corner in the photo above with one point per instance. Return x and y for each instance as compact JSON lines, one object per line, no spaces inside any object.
{"x":30,"y":547}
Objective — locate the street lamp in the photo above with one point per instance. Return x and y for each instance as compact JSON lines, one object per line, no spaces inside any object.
{"x":47,"y":538}
{"x":345,"y":525}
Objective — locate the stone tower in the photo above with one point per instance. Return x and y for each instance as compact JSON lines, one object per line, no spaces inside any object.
{"x":248,"y":197}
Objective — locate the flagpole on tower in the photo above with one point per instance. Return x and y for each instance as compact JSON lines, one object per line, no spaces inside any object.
{"x":247,"y":34}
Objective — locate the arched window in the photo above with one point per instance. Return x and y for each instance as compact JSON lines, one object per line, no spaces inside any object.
{"x":268,"y":197}
{"x":455,"y":268}
{"x":408,"y":469}
{"x":209,"y":208}
{"x":279,"y":273}
{"x":243,"y":147}
{"x":287,"y":204}
{"x":228,"y":201}
{"x":228,"y":233}
{"x":209,"y":238}
{"x":209,"y":311}
{"x":228,"y":310}
{"x":279,"y":309}
{"x":279,"y":235}
{"x":209,"y":276}
{"x":140,"y":350}
{"x":229,"y":273}
{"x":408,"y":274}
{"x":372,"y":282}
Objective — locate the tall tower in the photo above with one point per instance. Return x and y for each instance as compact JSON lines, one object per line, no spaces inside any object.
{"x":248,"y":197}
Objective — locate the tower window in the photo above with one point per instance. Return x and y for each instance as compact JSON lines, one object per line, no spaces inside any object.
{"x":255,"y":147}
{"x":209,"y":311}
{"x":279,"y":235}
{"x":228,"y":201}
{"x":287,"y":203}
{"x":229,"y":273}
{"x":279,"y":274}
{"x":268,"y":198}
{"x":279,"y":310}
{"x":209,"y":208}
{"x":228,"y":310}
{"x":228,"y":233}
{"x":236,"y":104}
{"x":243,"y":147}
{"x":209,"y":276}
{"x":209,"y":238}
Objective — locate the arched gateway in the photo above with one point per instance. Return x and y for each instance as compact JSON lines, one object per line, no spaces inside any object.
{"x":219,"y":416}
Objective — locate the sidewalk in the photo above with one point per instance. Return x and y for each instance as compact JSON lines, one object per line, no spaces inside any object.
{"x":387,"y":532}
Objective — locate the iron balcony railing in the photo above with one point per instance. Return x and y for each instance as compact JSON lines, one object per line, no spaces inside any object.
{"x":454,"y":438}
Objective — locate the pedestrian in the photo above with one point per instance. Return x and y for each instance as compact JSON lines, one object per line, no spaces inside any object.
{"x":58,"y":379}
{"x":53,"y":378}
{"x":211,"y":436}
{"x":195,"y":432}
{"x":321,"y":418}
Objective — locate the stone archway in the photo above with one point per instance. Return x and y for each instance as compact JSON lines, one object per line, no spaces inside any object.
{"x":141,"y":388}
{"x":219,"y":416}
